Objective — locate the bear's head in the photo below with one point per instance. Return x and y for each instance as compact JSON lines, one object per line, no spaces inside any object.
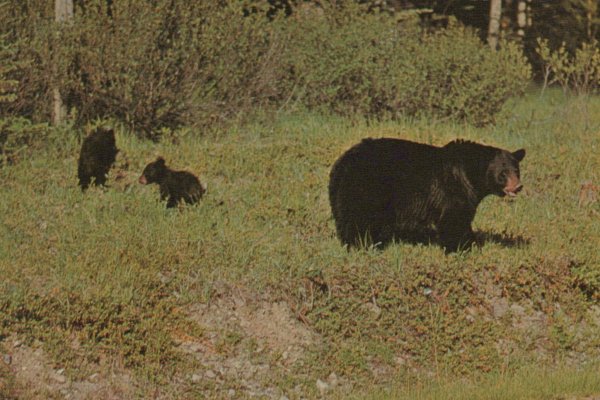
{"x":153,"y":172}
{"x":503,"y":175}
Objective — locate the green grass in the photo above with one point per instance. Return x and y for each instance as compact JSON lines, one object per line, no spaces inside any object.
{"x":531,"y":383}
{"x":113,"y":269}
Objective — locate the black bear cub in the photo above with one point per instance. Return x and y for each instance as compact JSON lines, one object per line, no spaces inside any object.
{"x":174,"y":185}
{"x":98,"y":153}
{"x":386,"y":189}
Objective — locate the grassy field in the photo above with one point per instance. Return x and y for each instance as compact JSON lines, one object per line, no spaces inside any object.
{"x":249,"y":293}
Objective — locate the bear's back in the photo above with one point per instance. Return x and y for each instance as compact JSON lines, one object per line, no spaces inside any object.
{"x":386,"y":161}
{"x":99,"y":146}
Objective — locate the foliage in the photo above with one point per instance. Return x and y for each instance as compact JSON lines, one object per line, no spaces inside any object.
{"x":160,"y":65}
{"x":19,"y":138}
{"x":566,"y":23}
{"x":367,"y":66}
{"x":579,"y":72}
{"x":7,"y":86}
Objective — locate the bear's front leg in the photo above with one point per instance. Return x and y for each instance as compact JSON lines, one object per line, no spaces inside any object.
{"x":455,"y":232}
{"x":172,"y":202}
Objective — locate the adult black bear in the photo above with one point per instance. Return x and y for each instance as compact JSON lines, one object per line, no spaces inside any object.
{"x":176,"y":185}
{"x":98,"y":153}
{"x":390,"y":189}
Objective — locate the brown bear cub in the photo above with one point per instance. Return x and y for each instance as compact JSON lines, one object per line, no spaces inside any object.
{"x":386,"y":189}
{"x":98,"y":153}
{"x":174,"y":185}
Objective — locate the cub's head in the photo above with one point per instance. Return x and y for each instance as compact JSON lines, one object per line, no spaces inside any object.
{"x":503,"y":175}
{"x":153,"y":171}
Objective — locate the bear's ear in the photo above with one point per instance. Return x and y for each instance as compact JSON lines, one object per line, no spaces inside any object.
{"x":519,"y":154}
{"x":160,"y":161}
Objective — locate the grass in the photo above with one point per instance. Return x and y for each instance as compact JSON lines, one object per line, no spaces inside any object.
{"x":114,"y":271}
{"x":530,"y":383}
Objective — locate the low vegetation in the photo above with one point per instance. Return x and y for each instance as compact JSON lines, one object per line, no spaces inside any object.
{"x":157,"y":66}
{"x":110,"y":279}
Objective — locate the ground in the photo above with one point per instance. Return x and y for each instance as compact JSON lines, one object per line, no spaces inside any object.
{"x":250,"y":294}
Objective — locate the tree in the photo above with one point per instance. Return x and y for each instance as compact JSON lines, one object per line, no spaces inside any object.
{"x":494,"y":27}
{"x":63,"y":11}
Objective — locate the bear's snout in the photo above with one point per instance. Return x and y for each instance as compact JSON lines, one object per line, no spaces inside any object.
{"x":142,"y":180}
{"x":513,"y":186}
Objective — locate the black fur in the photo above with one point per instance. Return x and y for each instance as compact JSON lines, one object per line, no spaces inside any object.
{"x":174,"y":185}
{"x":382,"y":190}
{"x":98,"y":153}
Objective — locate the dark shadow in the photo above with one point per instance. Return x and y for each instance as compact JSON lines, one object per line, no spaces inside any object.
{"x":430,"y":238}
{"x":503,"y":239}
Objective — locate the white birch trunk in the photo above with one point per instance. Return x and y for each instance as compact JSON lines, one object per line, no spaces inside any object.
{"x":521,"y":18}
{"x":494,"y":27}
{"x":63,"y":11}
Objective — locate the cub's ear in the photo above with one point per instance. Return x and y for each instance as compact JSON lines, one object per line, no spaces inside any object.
{"x":519,"y":154}
{"x":160,"y":161}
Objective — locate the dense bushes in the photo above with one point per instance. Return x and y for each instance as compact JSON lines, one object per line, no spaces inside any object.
{"x":167,"y":63}
{"x":371,"y":66}
{"x":578,"y":72}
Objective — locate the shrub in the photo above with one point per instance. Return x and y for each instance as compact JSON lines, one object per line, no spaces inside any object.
{"x":19,"y":138}
{"x":370,"y":65}
{"x":7,"y":86}
{"x":159,"y":65}
{"x":579,"y":72}
{"x":151,"y":65}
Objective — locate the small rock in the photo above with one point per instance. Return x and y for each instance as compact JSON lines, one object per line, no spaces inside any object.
{"x":7,"y":358}
{"x":94,"y":377}
{"x":500,"y":307}
{"x":323,"y":387}
{"x":60,"y":378}
{"x":17,"y":343}
{"x":333,"y":379}
{"x":196,"y":378}
{"x":195,"y":347}
{"x":60,"y":371}
{"x":210,"y":374}
{"x":231,"y":393}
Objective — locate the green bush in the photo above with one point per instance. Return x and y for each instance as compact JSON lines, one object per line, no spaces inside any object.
{"x":150,"y":65}
{"x":578,"y":72}
{"x":370,"y":65}
{"x":19,"y":138}
{"x":7,"y":86}
{"x":164,"y":64}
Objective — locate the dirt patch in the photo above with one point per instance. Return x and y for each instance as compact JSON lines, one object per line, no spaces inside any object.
{"x":247,"y":342}
{"x":34,"y":377}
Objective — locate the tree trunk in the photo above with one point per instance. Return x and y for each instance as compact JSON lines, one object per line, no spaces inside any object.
{"x":521,"y":18}
{"x":590,"y":19}
{"x":63,"y":11}
{"x":494,"y":28}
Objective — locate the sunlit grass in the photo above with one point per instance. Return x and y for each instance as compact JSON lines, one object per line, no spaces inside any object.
{"x":112,"y":266}
{"x":533,"y":383}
